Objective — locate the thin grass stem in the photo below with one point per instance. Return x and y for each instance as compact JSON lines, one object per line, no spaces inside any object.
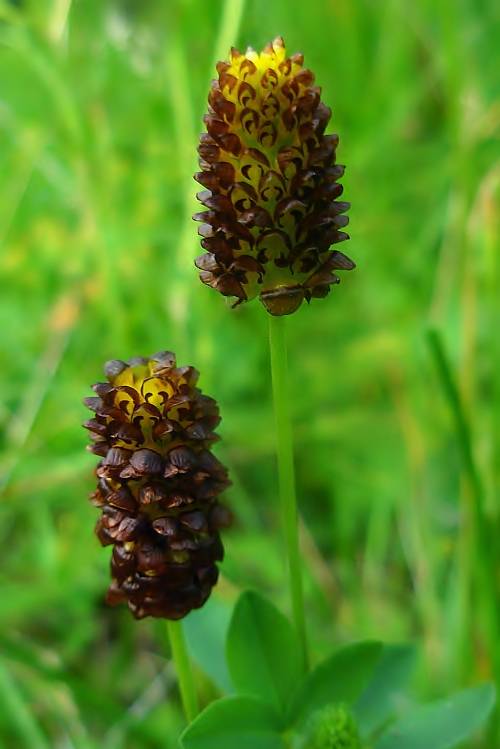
{"x":230,"y":22}
{"x":187,"y":122}
{"x":286,"y":472}
{"x":481,"y":542}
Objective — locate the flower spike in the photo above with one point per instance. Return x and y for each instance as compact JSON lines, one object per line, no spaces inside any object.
{"x":271,"y":183}
{"x":158,"y":485}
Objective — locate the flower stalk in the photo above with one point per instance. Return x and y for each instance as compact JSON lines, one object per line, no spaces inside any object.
{"x":286,"y":471}
{"x":185,"y":678}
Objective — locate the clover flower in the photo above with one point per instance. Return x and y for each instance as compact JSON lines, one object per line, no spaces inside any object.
{"x":333,"y":728}
{"x":271,"y":182}
{"x":158,"y":485}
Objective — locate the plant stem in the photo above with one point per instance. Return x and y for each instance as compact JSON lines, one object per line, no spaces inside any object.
{"x":482,"y":542}
{"x":286,"y":473}
{"x":184,"y":673}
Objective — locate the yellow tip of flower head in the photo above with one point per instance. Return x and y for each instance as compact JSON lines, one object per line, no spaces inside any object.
{"x":271,"y":183}
{"x":158,"y":485}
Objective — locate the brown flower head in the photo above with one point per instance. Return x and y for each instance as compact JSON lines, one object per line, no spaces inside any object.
{"x":271,"y":183}
{"x":158,"y":485}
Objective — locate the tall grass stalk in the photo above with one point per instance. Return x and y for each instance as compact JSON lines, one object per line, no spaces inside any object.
{"x":481,"y":547}
{"x":229,"y":25}
{"x":180,"y":300}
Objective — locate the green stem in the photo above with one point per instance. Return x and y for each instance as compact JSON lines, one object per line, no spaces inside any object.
{"x":181,"y":300}
{"x":228,"y":28}
{"x":482,"y":542}
{"x":286,"y":473}
{"x":184,"y":673}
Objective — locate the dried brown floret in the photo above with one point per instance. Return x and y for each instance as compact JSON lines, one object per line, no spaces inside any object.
{"x":158,"y":485}
{"x":271,"y":182}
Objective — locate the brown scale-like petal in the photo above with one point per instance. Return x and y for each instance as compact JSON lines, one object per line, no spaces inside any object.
{"x":271,"y":181}
{"x":180,"y":460}
{"x":220,"y":517}
{"x":146,"y":462}
{"x":158,"y":484}
{"x":123,"y":499}
{"x":152,"y":492}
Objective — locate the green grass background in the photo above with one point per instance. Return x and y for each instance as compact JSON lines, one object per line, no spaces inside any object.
{"x":100,"y":107}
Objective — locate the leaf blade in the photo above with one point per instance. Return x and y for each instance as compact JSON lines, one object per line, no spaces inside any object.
{"x":206,"y":631}
{"x":442,"y":724}
{"x":263,"y":651}
{"x":236,"y":721}
{"x":378,"y":701}
{"x":340,"y":678}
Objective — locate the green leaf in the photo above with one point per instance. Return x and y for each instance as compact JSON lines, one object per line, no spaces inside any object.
{"x":379,"y":700}
{"x":234,"y":723}
{"x":340,"y":678}
{"x":19,"y":712}
{"x":263,"y":651}
{"x":206,"y":631}
{"x":443,"y":724}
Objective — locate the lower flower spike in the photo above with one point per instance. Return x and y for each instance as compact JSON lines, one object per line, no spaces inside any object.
{"x":157,"y":485}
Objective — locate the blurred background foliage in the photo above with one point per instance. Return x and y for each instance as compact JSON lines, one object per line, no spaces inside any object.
{"x":100,"y":107}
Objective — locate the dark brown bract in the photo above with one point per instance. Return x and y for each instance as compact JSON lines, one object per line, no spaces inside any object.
{"x":271,"y":182}
{"x":158,"y":485}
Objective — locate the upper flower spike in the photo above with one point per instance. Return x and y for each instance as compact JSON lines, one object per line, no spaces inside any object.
{"x":271,"y":183}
